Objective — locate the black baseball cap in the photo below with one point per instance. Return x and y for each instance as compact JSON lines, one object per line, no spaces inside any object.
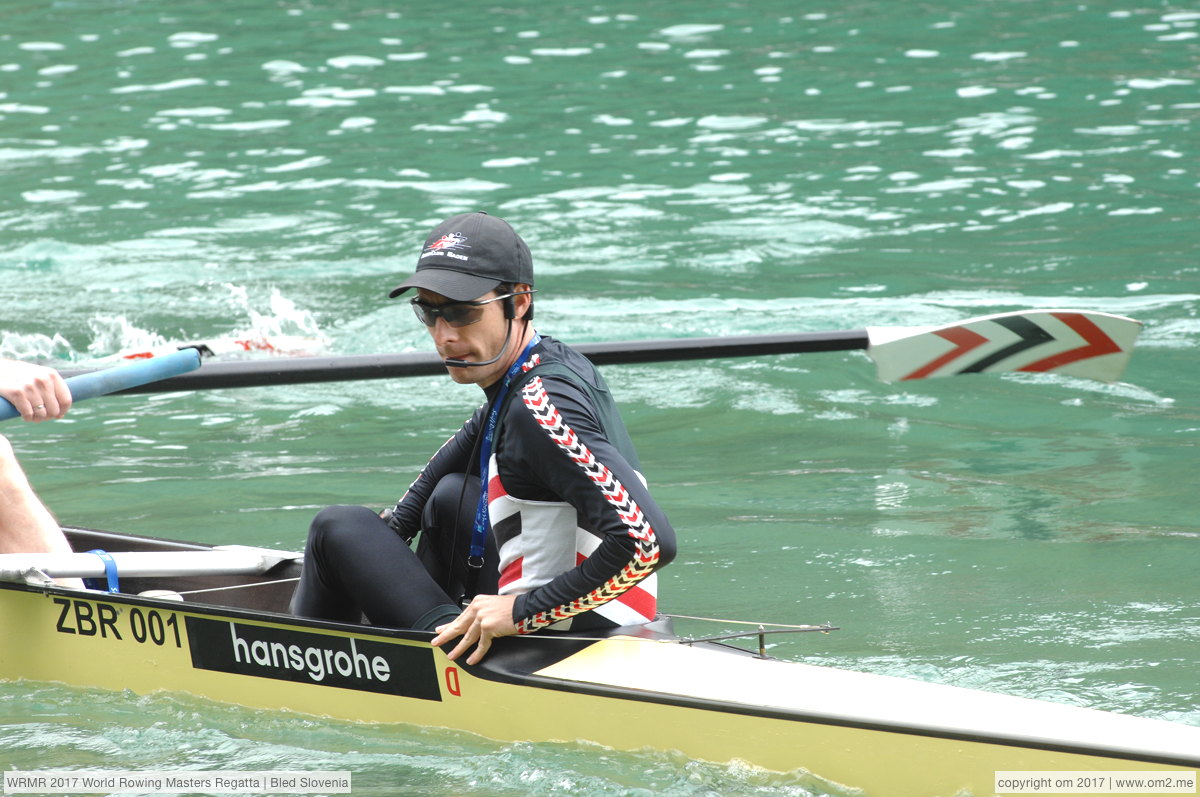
{"x":467,"y":256}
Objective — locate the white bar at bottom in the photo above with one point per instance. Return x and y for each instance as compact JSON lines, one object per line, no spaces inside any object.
{"x":1093,"y":782}
{"x":180,"y":781}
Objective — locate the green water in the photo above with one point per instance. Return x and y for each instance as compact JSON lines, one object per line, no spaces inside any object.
{"x":178,"y":172}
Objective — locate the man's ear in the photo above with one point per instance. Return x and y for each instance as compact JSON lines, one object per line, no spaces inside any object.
{"x":523,"y":304}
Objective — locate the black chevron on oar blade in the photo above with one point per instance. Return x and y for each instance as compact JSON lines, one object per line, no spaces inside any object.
{"x":1029,"y":335}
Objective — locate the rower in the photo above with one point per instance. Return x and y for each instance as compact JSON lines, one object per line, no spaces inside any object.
{"x":565,"y":536}
{"x":26,"y":525}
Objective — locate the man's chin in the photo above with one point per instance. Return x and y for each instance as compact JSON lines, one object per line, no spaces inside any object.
{"x":462,"y":375}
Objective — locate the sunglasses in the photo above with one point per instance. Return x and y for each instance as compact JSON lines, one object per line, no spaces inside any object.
{"x":456,"y":314}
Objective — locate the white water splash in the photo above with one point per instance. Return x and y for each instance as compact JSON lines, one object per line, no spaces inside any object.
{"x":283,"y":319}
{"x":116,"y":333}
{"x":35,"y":347}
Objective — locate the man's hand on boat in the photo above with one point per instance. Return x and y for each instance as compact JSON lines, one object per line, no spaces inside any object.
{"x":485,"y":618}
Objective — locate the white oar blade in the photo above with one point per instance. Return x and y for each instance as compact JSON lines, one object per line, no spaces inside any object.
{"x":1073,"y":342}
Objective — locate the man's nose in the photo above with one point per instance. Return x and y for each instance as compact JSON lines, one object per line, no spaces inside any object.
{"x":442,"y":331}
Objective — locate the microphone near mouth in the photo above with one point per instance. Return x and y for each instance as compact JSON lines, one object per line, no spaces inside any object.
{"x":456,"y":363}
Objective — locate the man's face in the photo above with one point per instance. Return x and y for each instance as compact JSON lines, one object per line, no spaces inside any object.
{"x":475,"y":342}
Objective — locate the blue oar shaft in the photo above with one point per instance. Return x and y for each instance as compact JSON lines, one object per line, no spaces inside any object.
{"x":123,"y":377}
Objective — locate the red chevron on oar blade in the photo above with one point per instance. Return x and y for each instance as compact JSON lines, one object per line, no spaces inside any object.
{"x":964,"y":341}
{"x":1097,"y":344}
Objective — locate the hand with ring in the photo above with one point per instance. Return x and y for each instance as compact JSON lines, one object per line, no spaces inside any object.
{"x":37,"y":392}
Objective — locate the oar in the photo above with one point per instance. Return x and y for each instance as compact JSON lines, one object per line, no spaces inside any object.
{"x":1079,"y":343}
{"x":228,"y":560}
{"x":112,"y":380}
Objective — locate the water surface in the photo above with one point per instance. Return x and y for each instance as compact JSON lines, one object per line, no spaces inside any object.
{"x":186,"y":172}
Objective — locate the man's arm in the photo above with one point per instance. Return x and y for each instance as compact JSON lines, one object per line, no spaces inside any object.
{"x":26,"y":525}
{"x":558,"y":452}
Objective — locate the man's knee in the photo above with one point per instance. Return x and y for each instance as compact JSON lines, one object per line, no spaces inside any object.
{"x":452,"y":503}
{"x":333,"y":526}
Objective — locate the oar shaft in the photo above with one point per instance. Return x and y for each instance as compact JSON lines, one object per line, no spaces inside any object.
{"x":258,"y":373}
{"x":391,"y":366}
{"x":650,"y":351}
{"x":90,"y":384}
{"x":133,"y":374}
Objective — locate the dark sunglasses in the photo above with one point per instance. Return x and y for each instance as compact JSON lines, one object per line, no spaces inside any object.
{"x":456,"y":314}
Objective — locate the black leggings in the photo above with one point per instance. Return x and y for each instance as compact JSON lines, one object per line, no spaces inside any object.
{"x":355,"y":565}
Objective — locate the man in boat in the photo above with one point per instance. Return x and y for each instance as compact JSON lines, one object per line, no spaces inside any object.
{"x":566,"y":535}
{"x":26,"y":526}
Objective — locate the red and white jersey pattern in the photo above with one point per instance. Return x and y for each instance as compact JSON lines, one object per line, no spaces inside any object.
{"x":551,"y":541}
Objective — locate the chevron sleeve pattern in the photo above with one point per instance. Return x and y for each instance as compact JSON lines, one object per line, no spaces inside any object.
{"x":646,"y":550}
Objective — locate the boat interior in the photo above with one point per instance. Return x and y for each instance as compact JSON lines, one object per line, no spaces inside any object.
{"x":268,"y":591}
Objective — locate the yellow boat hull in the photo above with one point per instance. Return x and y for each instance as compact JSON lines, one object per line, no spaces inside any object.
{"x":883,"y":736}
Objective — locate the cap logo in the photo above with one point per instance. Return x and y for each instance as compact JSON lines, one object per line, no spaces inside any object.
{"x":446,"y":246}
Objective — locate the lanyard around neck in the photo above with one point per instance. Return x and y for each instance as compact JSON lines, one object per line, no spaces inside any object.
{"x":479,"y":533}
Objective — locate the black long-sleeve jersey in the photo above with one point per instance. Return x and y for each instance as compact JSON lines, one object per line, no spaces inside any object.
{"x":579,"y":534}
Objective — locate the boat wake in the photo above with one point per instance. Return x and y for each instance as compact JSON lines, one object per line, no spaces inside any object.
{"x":280,"y":329}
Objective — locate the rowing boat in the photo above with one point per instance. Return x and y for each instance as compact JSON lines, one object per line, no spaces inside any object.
{"x":213,"y":622}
